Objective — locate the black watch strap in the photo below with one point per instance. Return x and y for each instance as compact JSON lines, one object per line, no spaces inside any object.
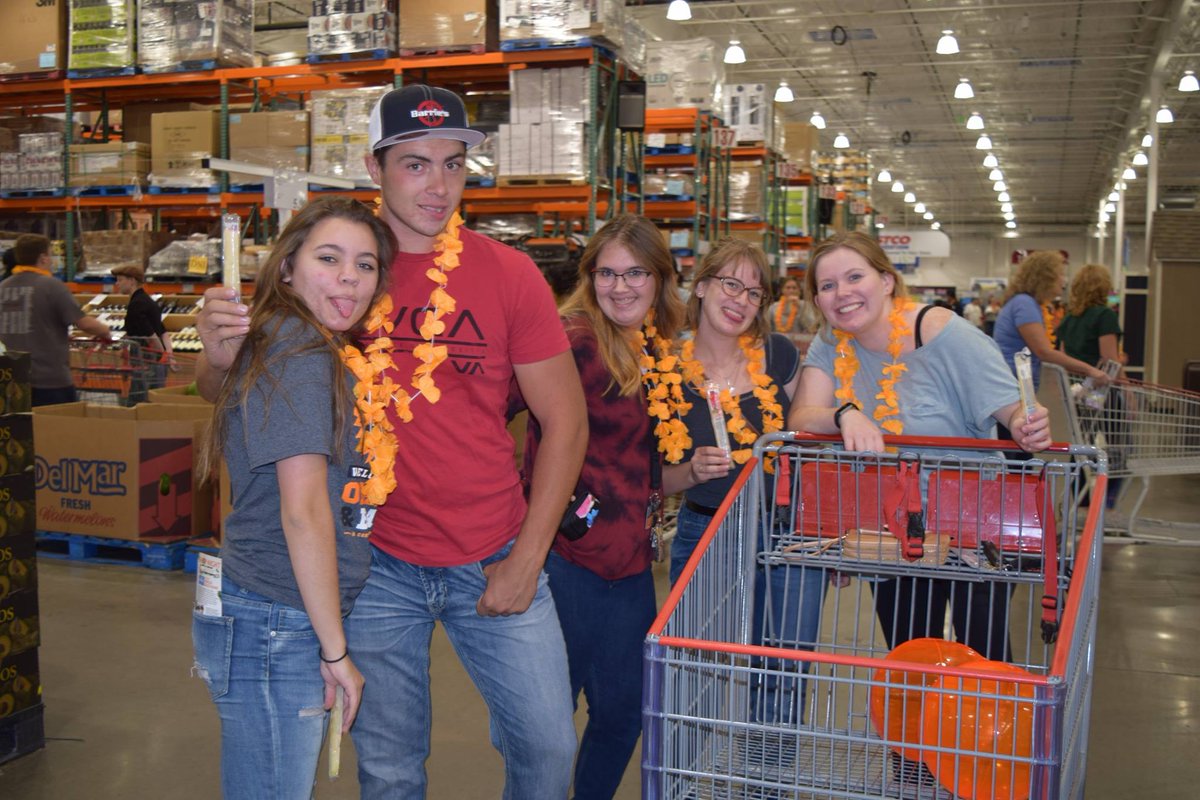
{"x":842,"y":409}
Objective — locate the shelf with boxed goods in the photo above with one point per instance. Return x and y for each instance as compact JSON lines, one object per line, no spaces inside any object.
{"x":752,"y":205}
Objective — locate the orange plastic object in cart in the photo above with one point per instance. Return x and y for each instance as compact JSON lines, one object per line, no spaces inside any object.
{"x":897,"y":696}
{"x":997,"y":729}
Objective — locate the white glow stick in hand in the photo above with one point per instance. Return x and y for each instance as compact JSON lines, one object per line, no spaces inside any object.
{"x":1024,"y":365}
{"x":717,"y":415}
{"x":335,"y":734}
{"x":231,"y":251}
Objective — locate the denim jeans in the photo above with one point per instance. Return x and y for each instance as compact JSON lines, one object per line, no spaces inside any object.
{"x":604,"y":623}
{"x":787,"y":614}
{"x":518,"y":663}
{"x":261,"y":662}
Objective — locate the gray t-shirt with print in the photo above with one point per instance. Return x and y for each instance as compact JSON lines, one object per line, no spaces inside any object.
{"x":291,"y":417}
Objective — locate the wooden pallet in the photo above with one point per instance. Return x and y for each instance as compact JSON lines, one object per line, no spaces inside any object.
{"x":164,"y":554}
{"x":541,"y":180}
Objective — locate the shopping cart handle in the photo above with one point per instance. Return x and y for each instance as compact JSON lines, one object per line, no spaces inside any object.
{"x":939,"y":442}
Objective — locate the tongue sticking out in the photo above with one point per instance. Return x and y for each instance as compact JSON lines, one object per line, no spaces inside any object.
{"x":343,"y":306}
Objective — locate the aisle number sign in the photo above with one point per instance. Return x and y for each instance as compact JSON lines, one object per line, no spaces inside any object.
{"x":858,"y":208}
{"x":827,"y":191}
{"x":788,"y":171}
{"x":724,"y":137}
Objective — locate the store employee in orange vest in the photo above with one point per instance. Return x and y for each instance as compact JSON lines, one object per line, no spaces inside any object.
{"x":454,"y":541}
{"x":36,"y":315}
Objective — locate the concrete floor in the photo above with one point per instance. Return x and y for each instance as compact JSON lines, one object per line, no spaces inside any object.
{"x":125,"y":720}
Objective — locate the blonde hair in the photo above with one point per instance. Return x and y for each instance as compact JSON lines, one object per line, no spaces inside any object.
{"x":1091,"y":286}
{"x":1039,"y":274}
{"x":731,"y":251}
{"x":618,"y":348}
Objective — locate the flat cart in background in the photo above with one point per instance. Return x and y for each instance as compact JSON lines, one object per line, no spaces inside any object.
{"x":735,"y":707}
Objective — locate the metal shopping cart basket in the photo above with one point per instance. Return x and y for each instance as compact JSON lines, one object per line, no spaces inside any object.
{"x":123,"y":372}
{"x":744,"y":699}
{"x":1146,"y":430}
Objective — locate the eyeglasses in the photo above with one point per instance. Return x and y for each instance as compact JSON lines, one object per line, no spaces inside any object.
{"x":734,"y":288}
{"x":635,"y":278}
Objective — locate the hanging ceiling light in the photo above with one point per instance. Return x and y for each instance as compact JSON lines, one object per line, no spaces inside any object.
{"x":784,"y":93}
{"x":947,"y":45}
{"x":909,"y":197}
{"x":897,"y":187}
{"x":1114,"y":196}
{"x":1008,"y":215}
{"x":679,"y":10}
{"x":990,"y":161}
{"x":937,"y":226}
{"x":1164,"y":116}
{"x":928,"y":215}
{"x":735,"y":54}
{"x":975,"y":122}
{"x":995,"y":174}
{"x":983,"y":143}
{"x":1122,"y":185}
{"x":999,"y":186}
{"x":1104,"y":217}
{"x":1147,"y":140}
{"x":1129,"y":174}
{"x":963,"y":91}
{"x":919,"y":208}
{"x":884,"y":176}
{"x":1011,"y":224}
{"x":817,"y":121}
{"x":841,"y":142}
{"x":1003,"y":197}
{"x":1188,"y":82}
{"x":1140,"y":159}
{"x":1005,"y":208}
{"x":1110,"y":208}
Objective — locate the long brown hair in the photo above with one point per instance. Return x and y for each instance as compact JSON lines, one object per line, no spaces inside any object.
{"x":1091,"y":286}
{"x":618,"y":349}
{"x":731,"y":251}
{"x":275,"y":302}
{"x":1039,"y":275}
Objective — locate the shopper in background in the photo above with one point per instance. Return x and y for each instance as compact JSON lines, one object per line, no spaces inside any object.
{"x":601,"y":582}
{"x":143,"y":323}
{"x":1038,"y":280}
{"x":36,"y":315}
{"x":792,"y":315}
{"x":953,"y":383}
{"x":455,"y":540}
{"x":990,"y":312}
{"x":284,"y":421}
{"x":973,"y":312}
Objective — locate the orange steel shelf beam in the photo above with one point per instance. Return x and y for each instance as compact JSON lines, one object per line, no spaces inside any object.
{"x":670,"y":160}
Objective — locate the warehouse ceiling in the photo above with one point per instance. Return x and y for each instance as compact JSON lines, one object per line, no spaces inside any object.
{"x":1065,"y":89}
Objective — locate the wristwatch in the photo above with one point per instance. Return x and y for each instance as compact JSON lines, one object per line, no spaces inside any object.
{"x":837,"y":415}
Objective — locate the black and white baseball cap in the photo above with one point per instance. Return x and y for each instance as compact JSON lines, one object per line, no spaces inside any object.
{"x":420,"y":112}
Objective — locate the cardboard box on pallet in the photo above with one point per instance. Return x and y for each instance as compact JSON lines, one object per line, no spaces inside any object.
{"x":15,"y":395}
{"x":120,"y":473}
{"x":33,"y":36}
{"x":20,"y":683}
{"x":221,"y":505}
{"x":179,"y":141}
{"x":171,"y":33}
{"x":338,"y":129}
{"x":433,"y":25}
{"x":562,"y":20}
{"x":102,"y":35}
{"x":110,"y":164}
{"x":104,"y":250}
{"x":750,"y":111}
{"x":276,"y":139}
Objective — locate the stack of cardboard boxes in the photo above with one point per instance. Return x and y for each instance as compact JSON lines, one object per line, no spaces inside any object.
{"x":275,"y":139}
{"x":179,"y":143}
{"x":105,"y":250}
{"x":338,"y":129}
{"x":37,"y":164}
{"x":20,"y":631}
{"x":110,"y":164}
{"x":351,"y":26}
{"x":35,"y":37}
{"x":562,"y":20}
{"x":546,"y":135}
{"x":173,"y":35}
{"x":102,"y":35}
{"x":431,"y":26}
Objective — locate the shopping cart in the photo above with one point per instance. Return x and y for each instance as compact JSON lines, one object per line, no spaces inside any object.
{"x":123,"y":372}
{"x":1146,"y":430}
{"x":733,"y":709}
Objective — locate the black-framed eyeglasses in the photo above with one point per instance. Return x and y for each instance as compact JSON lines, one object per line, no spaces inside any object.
{"x":634,"y":278}
{"x":734,"y":288}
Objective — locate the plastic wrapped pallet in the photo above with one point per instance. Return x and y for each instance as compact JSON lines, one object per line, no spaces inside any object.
{"x":110,"y":164}
{"x":181,"y":34}
{"x":39,"y":161}
{"x":746,"y":191}
{"x":195,"y":258}
{"x":448,"y":25}
{"x":276,"y":139}
{"x":102,"y":35}
{"x":104,"y":250}
{"x":338,"y":131}
{"x":562,"y":20}
{"x":552,"y":149}
{"x":750,"y":111}
{"x":684,"y":74}
{"x":352,"y":26}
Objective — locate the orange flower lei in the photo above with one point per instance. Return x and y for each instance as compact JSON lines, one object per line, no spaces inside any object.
{"x":794,"y":307}
{"x":846,"y":365}
{"x":664,"y":392}
{"x":375,"y":389}
{"x":764,"y":389}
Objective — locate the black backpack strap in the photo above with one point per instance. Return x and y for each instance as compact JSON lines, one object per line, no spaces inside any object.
{"x":917,"y":326}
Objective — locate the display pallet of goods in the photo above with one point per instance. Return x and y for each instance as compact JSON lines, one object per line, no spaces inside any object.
{"x":21,"y":729}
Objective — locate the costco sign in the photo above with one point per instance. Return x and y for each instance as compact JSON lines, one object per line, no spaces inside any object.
{"x":906,"y":246}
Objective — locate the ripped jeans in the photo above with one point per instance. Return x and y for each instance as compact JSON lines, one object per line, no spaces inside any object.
{"x":261,"y":663}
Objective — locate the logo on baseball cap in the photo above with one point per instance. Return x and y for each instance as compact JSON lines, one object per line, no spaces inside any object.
{"x":420,"y":112}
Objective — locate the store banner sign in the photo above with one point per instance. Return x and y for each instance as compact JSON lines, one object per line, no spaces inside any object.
{"x":905,"y":247}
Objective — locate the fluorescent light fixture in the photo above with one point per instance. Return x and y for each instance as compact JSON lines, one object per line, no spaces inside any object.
{"x":784,"y":93}
{"x":884,"y":176}
{"x":1010,"y":216}
{"x":919,"y":208}
{"x":1104,"y":217}
{"x":1005,"y":207}
{"x":817,"y":121}
{"x":879,"y":225}
{"x":1114,"y":196}
{"x":1111,"y":208}
{"x":947,"y":45}
{"x":975,"y":122}
{"x":937,"y":226}
{"x":1188,"y":82}
{"x":983,"y":143}
{"x":841,"y":142}
{"x":999,"y":186}
{"x":928,"y":215}
{"x":679,"y":10}
{"x":897,"y":187}
{"x":1140,"y":159}
{"x":735,"y":54}
{"x":990,"y":161}
{"x":1164,"y":116}
{"x":1147,"y":140}
{"x":1129,"y":174}
{"x":995,"y":174}
{"x":1011,"y":224}
{"x":963,"y":91}
{"x":909,"y":197}
{"x":1003,"y":197}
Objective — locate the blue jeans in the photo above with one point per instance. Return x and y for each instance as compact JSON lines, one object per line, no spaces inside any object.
{"x":788,"y":615}
{"x":604,"y":623}
{"x":518,"y":663}
{"x":261,"y":662}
